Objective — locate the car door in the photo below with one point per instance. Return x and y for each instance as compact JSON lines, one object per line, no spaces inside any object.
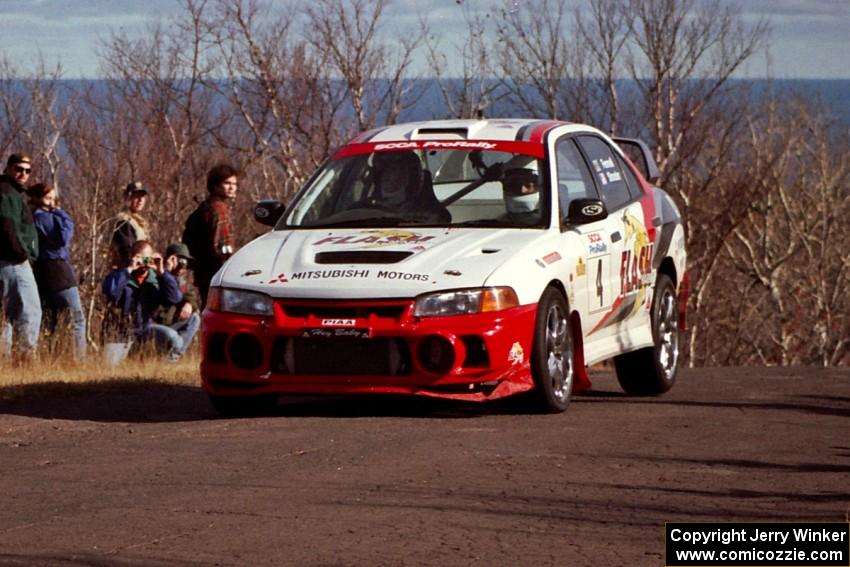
{"x":595,"y":273}
{"x":626,"y":237}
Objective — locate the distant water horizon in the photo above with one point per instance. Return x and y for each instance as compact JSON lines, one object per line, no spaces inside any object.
{"x":832,"y":94}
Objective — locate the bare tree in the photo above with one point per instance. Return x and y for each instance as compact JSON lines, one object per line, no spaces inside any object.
{"x":683,"y":54}
{"x":475,"y":90}
{"x":344,"y":34}
{"x":541,"y":69}
{"x":603,"y":33}
{"x":789,"y":251}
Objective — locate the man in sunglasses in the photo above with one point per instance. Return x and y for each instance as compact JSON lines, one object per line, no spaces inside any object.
{"x":20,"y":308}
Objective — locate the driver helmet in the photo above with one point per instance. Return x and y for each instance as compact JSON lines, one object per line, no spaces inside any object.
{"x":398,"y":176}
{"x":521,"y":188}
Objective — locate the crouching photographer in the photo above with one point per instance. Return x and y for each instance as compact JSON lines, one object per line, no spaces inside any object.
{"x":135,"y":294}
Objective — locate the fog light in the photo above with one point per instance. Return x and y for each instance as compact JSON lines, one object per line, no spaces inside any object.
{"x":245,"y":352}
{"x":436,"y":354}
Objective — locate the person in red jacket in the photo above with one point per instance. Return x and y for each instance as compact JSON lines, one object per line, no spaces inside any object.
{"x":209,"y":230}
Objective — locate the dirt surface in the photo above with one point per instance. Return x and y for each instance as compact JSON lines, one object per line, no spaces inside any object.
{"x":138,"y":474}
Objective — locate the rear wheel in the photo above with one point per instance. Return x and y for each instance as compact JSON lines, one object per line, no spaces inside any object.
{"x":652,"y":370}
{"x":552,"y":353}
{"x":244,"y":406}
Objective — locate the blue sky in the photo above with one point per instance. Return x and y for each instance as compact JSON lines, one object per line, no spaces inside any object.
{"x":809,"y":39}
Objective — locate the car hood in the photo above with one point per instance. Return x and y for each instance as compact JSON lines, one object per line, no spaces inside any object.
{"x":371,"y":263}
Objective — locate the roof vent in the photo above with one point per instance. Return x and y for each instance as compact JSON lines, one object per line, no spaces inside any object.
{"x":440,"y":134}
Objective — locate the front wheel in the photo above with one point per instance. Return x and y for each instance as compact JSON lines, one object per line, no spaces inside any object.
{"x":652,"y":370}
{"x":552,"y":353}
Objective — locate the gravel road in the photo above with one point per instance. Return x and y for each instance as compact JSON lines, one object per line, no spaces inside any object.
{"x":140,"y":474}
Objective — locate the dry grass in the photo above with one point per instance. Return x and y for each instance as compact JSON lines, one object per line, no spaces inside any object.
{"x":65,"y":370}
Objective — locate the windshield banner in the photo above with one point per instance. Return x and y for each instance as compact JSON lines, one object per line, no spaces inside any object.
{"x":507,"y":146}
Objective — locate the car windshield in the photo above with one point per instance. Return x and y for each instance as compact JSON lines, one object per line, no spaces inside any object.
{"x":439,"y":187}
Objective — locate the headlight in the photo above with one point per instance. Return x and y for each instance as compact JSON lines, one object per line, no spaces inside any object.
{"x":240,"y":301}
{"x":465,"y":301}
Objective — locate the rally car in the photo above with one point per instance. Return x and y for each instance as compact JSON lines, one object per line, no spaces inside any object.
{"x":459,"y":259}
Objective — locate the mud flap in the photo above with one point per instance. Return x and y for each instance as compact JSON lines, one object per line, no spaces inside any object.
{"x":581,"y":382}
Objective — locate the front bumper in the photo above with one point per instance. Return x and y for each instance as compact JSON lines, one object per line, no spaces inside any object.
{"x":375,"y":347}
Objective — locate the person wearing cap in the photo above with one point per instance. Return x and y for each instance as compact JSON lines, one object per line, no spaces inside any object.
{"x":20,"y":309}
{"x":177,"y":324}
{"x":135,"y":293}
{"x":56,"y":278}
{"x":209,"y":231}
{"x":129,"y":225}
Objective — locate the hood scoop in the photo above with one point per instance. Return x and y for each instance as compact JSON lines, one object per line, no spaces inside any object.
{"x":362,"y":257}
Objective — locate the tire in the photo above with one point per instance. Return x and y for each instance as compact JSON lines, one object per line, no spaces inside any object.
{"x":552,"y":353}
{"x":243,"y":406}
{"x":652,"y":370}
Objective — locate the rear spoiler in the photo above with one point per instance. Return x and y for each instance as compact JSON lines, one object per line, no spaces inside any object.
{"x":641,"y":156}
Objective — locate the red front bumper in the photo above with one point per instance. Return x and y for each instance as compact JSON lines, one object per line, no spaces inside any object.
{"x":359,"y":347}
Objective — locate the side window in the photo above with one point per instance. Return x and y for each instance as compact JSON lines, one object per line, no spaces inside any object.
{"x":574,"y":180}
{"x":615,"y":192}
{"x":634,"y":185}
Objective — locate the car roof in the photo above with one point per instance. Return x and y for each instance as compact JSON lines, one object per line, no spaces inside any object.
{"x":497,"y":129}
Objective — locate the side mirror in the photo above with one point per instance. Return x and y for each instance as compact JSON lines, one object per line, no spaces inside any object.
{"x":640,"y":155}
{"x":584,"y":211}
{"x":268,"y":212}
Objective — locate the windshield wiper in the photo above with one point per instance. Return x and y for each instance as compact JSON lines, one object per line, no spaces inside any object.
{"x":375,"y":222}
{"x":484,"y":222}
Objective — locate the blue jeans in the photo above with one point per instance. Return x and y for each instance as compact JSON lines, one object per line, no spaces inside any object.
{"x":20,"y":310}
{"x":173,"y":340}
{"x":68,"y":300}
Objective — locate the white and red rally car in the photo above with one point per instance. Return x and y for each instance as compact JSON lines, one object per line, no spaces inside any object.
{"x":458,"y":259}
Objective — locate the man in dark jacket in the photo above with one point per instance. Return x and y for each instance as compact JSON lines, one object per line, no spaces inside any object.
{"x":136,"y":293}
{"x":209,"y":231}
{"x":20,"y":309}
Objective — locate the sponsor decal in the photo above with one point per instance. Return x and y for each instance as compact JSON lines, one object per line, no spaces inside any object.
{"x":594,"y":237}
{"x":404,"y":276}
{"x":591,"y":210}
{"x":352,"y":333}
{"x":516,"y":354}
{"x":581,"y":268}
{"x":338,"y":322}
{"x":329,"y":274}
{"x":636,"y":261}
{"x":350,"y":274}
{"x":603,"y":179}
{"x":252,"y":273}
{"x":607,"y":163}
{"x":552,"y":257}
{"x":261,"y":212}
{"x":452,"y":272}
{"x":436,"y":144}
{"x":597,"y":248}
{"x":360,"y":146}
{"x":596,"y":165}
{"x":375,"y":238}
{"x":614,"y":176}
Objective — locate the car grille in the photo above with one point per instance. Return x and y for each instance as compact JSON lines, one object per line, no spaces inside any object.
{"x":328,"y":311}
{"x":341,"y":356}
